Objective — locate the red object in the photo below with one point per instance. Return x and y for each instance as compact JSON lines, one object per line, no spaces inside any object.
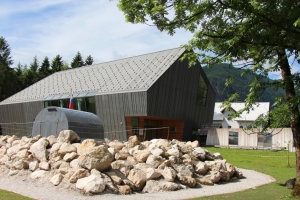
{"x":71,"y":104}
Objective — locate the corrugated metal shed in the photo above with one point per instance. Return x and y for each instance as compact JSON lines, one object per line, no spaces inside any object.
{"x":132,"y":74}
{"x":52,"y":120}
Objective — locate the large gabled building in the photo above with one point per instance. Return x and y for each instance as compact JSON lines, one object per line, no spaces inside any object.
{"x":155,"y":95}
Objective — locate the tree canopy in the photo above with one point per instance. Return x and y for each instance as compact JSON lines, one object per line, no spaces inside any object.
{"x":77,"y":61}
{"x":89,"y":60}
{"x":260,"y":36}
{"x":57,"y":63}
{"x":7,"y":75}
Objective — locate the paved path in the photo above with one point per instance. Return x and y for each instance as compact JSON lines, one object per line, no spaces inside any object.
{"x":47,"y":191}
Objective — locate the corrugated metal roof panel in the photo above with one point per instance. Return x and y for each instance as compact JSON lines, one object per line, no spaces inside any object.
{"x":136,"y":73}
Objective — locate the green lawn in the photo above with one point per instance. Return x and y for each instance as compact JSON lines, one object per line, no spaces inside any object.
{"x":269,"y":162}
{"x":6,"y":195}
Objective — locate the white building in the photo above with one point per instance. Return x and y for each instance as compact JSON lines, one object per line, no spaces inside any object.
{"x":231,"y":133}
{"x":245,"y":119}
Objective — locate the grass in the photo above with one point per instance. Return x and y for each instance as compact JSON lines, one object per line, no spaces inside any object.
{"x":6,"y":195}
{"x":268,"y":162}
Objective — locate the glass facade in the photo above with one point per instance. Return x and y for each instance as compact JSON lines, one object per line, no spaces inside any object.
{"x":202,"y":92}
{"x":135,"y":125}
{"x":233,"y":138}
{"x":82,"y":102}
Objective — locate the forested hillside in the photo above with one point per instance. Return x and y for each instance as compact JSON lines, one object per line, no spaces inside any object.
{"x":217,"y":75}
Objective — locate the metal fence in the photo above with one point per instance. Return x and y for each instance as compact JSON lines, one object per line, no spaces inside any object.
{"x":25,"y":129}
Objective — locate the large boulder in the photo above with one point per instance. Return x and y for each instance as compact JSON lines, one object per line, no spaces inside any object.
{"x":199,"y":153}
{"x":38,"y":174}
{"x":133,"y":141}
{"x":153,"y":173}
{"x":66,"y":148}
{"x":122,"y":165}
{"x":70,"y":156}
{"x":56,"y":179}
{"x":201,"y":167}
{"x":38,"y":149}
{"x":85,"y":145}
{"x":138,"y":177}
{"x":161,"y":186}
{"x":79,"y":173}
{"x":187,"y":180}
{"x":124,"y":189}
{"x":91,"y":184}
{"x":68,"y":136}
{"x":117,"y":145}
{"x":169,"y":174}
{"x":97,"y":157}
{"x":52,"y":140}
{"x":141,"y":155}
{"x":154,"y":161}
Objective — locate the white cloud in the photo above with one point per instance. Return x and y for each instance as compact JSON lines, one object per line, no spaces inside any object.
{"x":95,"y":28}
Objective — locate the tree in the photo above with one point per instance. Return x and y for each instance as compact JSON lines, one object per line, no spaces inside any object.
{"x":8,"y":77}
{"x":45,"y":69}
{"x":262,"y":35}
{"x":77,"y":61}
{"x":19,"y":71}
{"x":89,"y":60}
{"x":57,"y":63}
{"x":31,"y":75}
{"x":65,"y":66}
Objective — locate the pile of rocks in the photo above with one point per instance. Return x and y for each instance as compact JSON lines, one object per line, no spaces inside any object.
{"x":119,"y":167}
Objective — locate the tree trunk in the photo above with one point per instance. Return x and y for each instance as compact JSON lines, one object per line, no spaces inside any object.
{"x":294,"y":118}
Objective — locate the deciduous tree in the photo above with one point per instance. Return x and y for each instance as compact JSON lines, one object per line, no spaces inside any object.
{"x":263,"y":36}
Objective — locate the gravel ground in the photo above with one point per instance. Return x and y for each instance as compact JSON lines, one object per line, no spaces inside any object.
{"x":46,"y":191}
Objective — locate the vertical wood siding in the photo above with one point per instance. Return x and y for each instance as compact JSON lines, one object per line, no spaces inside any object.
{"x":24,"y":113}
{"x":112,"y":109}
{"x":174,"y":96}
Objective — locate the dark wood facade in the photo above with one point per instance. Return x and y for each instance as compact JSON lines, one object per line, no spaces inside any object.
{"x":172,"y":97}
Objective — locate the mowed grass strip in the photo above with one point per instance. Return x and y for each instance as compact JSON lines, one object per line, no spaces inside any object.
{"x":6,"y":195}
{"x":273,"y":163}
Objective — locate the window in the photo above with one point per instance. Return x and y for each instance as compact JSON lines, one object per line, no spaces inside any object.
{"x":233,"y":138}
{"x":202,"y":92}
{"x":80,"y":104}
{"x":241,"y":127}
{"x":229,"y":126}
{"x":135,"y":125}
{"x":90,"y":104}
{"x":86,"y":104}
{"x":265,"y":140}
{"x":172,"y":129}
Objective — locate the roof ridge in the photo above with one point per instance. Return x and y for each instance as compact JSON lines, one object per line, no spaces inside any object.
{"x":119,"y":59}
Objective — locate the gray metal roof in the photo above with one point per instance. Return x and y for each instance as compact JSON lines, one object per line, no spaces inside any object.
{"x":132,"y":74}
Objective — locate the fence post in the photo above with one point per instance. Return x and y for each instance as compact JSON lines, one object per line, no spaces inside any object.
{"x":168,"y":132}
{"x":115,"y":131}
{"x":56,"y":127}
{"x":15,"y":128}
{"x":40,"y":128}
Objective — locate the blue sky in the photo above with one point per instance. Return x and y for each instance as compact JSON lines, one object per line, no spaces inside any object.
{"x":96,"y":28}
{"x":93,"y":27}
